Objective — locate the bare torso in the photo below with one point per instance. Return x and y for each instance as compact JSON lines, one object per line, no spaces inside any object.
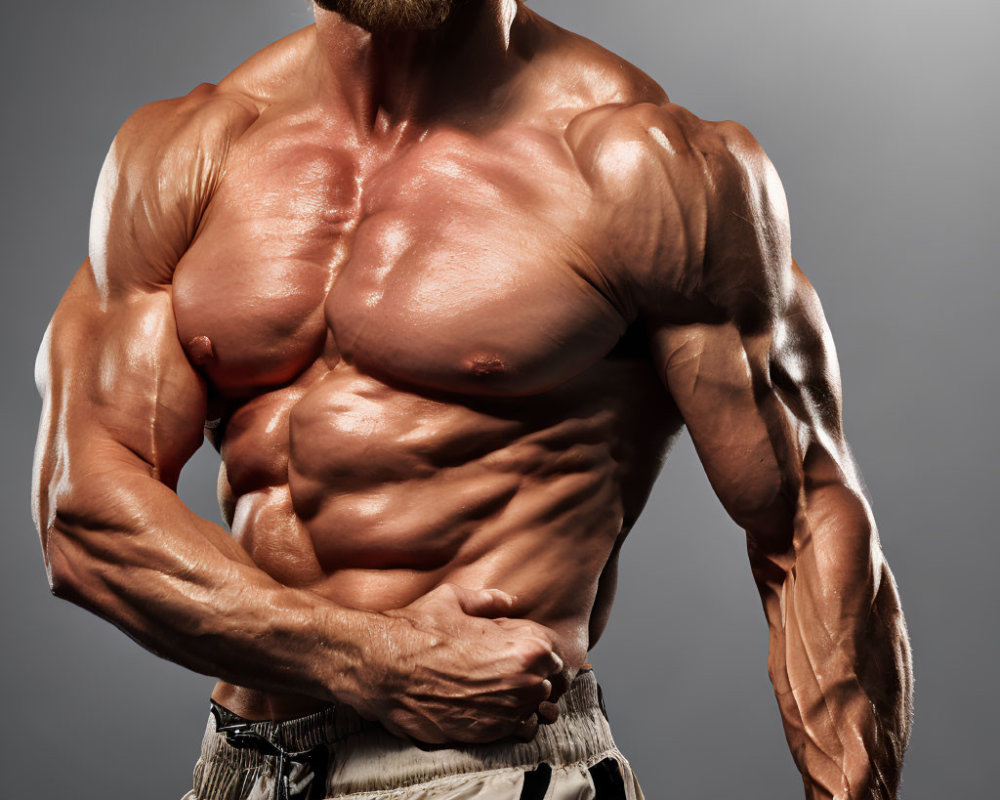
{"x":421,"y":371}
{"x":443,"y":300}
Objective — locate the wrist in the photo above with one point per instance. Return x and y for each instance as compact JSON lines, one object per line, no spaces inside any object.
{"x":351,"y":655}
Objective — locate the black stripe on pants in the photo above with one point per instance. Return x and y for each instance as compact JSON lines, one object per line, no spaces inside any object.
{"x":608,"y":781}
{"x":606,"y":775}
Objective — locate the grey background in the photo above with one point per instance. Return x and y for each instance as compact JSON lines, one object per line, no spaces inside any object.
{"x":881,"y":119}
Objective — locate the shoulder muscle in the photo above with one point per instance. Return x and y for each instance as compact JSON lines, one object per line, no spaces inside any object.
{"x":746,"y":271}
{"x":156,"y":180}
{"x":695,"y":210}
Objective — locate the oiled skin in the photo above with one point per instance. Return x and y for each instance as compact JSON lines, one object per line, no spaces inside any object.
{"x":442,"y":323}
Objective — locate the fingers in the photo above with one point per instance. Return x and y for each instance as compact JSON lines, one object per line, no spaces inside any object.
{"x":484,"y":602}
{"x":538,"y":657}
{"x":474,"y":602}
{"x":509,"y":665}
{"x":431,"y":731}
{"x":547,"y":713}
{"x":560,"y":683}
{"x":410,"y":730}
{"x":527,"y":729}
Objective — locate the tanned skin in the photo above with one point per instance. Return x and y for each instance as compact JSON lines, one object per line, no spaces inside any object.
{"x":442,"y":300}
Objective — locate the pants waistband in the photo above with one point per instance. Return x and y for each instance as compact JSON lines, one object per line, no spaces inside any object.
{"x":358,"y":755}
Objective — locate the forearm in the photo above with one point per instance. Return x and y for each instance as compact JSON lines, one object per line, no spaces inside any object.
{"x":839,"y":655}
{"x":183,"y":588}
{"x":129,"y":550}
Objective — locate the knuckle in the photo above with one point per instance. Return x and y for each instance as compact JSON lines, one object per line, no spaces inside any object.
{"x":527,"y":729}
{"x":532,"y":653}
{"x":539,"y":631}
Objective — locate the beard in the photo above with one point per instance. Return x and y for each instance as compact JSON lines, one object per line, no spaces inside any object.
{"x":379,"y":16}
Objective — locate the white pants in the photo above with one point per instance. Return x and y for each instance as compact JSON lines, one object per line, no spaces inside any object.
{"x":336,"y":754}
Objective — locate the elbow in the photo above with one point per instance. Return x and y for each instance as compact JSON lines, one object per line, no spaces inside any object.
{"x":61,"y":583}
{"x":74,"y":543}
{"x":61,"y":567}
{"x":80,"y":510}
{"x":52,"y":524}
{"x":88,"y":537}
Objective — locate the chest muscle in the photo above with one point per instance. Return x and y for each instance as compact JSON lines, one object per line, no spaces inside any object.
{"x":447,"y":268}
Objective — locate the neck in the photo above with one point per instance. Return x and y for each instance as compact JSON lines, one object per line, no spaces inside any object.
{"x":397,"y":79}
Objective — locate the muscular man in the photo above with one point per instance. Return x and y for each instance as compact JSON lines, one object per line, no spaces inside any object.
{"x":442,"y":281}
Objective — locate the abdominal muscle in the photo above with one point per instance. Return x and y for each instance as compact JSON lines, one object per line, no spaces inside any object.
{"x":390,"y":493}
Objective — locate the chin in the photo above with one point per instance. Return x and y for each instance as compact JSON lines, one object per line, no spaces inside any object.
{"x":380,"y":16}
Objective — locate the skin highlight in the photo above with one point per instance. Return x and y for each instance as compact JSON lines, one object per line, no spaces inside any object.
{"x":446,"y":295}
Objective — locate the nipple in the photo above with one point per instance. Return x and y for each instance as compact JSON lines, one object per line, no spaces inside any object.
{"x":200,"y":350}
{"x":485,"y":366}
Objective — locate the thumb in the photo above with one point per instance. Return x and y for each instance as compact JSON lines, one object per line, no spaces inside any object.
{"x":485,"y":602}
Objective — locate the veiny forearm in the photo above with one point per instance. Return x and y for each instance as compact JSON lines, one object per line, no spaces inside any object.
{"x":124,"y":546}
{"x":839,"y":655}
{"x":123,"y":411}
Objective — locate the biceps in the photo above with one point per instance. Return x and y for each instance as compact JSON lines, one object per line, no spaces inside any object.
{"x":118,"y":386}
{"x":763,"y":409}
{"x":741,"y":440}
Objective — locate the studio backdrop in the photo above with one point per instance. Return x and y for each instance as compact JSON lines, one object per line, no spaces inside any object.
{"x":882,"y":120}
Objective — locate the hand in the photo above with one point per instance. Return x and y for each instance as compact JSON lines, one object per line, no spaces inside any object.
{"x":451,"y":668}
